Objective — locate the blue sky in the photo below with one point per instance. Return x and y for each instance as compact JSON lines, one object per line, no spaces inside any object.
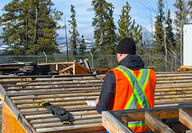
{"x":143,"y":11}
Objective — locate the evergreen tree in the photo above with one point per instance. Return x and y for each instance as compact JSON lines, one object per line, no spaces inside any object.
{"x":30,"y":26}
{"x":159,"y":29}
{"x":82,"y":46}
{"x":190,"y":8}
{"x":74,"y":33}
{"x":170,"y":38}
{"x":104,"y":34}
{"x":181,"y":14}
{"x":13,"y":27}
{"x":127,"y":27}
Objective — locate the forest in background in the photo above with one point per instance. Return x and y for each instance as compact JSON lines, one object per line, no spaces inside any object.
{"x":29,"y":28}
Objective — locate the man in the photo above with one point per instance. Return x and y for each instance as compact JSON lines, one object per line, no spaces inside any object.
{"x":128,"y":86}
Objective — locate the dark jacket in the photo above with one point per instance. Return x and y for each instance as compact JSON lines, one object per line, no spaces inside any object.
{"x":108,"y":89}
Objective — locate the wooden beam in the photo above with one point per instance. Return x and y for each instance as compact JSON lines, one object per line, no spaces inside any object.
{"x":155,"y":124}
{"x":57,"y":67}
{"x":73,"y":68}
{"x":113,"y":125}
{"x":185,"y":118}
{"x":67,"y":68}
{"x":67,"y":63}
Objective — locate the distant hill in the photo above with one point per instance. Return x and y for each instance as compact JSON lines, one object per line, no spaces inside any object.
{"x":61,"y":41}
{"x":147,"y":37}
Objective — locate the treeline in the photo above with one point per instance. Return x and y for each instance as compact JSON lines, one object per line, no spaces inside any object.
{"x":29,"y":27}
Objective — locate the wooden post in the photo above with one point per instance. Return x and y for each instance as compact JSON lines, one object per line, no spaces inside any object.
{"x":155,"y":124}
{"x":185,"y":118}
{"x":74,"y":68}
{"x":113,"y":125}
{"x":57,"y":67}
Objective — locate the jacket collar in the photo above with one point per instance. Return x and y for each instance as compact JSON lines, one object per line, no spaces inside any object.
{"x":133,"y":62}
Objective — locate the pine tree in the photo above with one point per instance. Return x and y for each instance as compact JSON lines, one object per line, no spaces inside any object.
{"x":13,"y":31}
{"x":170,"y":38}
{"x":159,"y":29}
{"x":33,"y":27}
{"x":181,"y":14}
{"x":190,"y":8}
{"x":104,"y":34}
{"x":74,"y":33}
{"x":82,"y":46}
{"x":127,"y":26}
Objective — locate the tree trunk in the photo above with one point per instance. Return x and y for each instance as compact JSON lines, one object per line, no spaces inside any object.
{"x":36,"y":25}
{"x":165,"y":45}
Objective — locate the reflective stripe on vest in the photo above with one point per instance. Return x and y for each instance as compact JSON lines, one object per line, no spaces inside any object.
{"x":138,"y":85}
{"x":138,"y":96}
{"x":136,"y":124}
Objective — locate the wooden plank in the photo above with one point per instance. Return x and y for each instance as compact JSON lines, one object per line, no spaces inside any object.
{"x":53,"y":119}
{"x":74,"y":68}
{"x":52,"y":92}
{"x":41,"y":91}
{"x":10,"y":123}
{"x":64,"y":83}
{"x":79,"y":69}
{"x":155,"y":124}
{"x":186,"y":67}
{"x":53,"y":63}
{"x":73,"y":129}
{"x":113,"y":125}
{"x":185,"y":118}
{"x":48,"y":115}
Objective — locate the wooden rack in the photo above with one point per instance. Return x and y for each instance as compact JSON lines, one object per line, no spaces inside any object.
{"x":21,"y":97}
{"x":68,"y":68}
{"x":117,"y":121}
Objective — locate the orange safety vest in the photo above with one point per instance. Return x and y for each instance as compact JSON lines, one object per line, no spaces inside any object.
{"x":134,"y":90}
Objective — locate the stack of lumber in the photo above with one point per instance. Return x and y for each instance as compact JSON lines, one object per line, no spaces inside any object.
{"x":11,"y":67}
{"x":24,"y":68}
{"x":23,"y":95}
{"x":173,"y":88}
{"x":68,"y":68}
{"x":185,"y":68}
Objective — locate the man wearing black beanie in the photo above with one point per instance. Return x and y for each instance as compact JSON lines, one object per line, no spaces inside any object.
{"x":128,"y":86}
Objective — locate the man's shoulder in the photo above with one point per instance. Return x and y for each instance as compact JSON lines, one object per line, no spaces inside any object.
{"x":109,"y":75}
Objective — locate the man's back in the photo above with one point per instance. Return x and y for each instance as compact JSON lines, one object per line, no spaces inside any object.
{"x":134,"y":89}
{"x":128,"y":86}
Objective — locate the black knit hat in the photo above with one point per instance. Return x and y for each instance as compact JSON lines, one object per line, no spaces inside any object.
{"x":126,"y":46}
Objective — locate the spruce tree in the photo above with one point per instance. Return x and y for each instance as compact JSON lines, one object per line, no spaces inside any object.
{"x":190,"y":8}
{"x":74,"y":33}
{"x":32,"y":29}
{"x":82,"y":46}
{"x":159,"y":29}
{"x":170,"y":38}
{"x":181,"y":14}
{"x":127,"y":26}
{"x":13,"y":27}
{"x":104,"y":34}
